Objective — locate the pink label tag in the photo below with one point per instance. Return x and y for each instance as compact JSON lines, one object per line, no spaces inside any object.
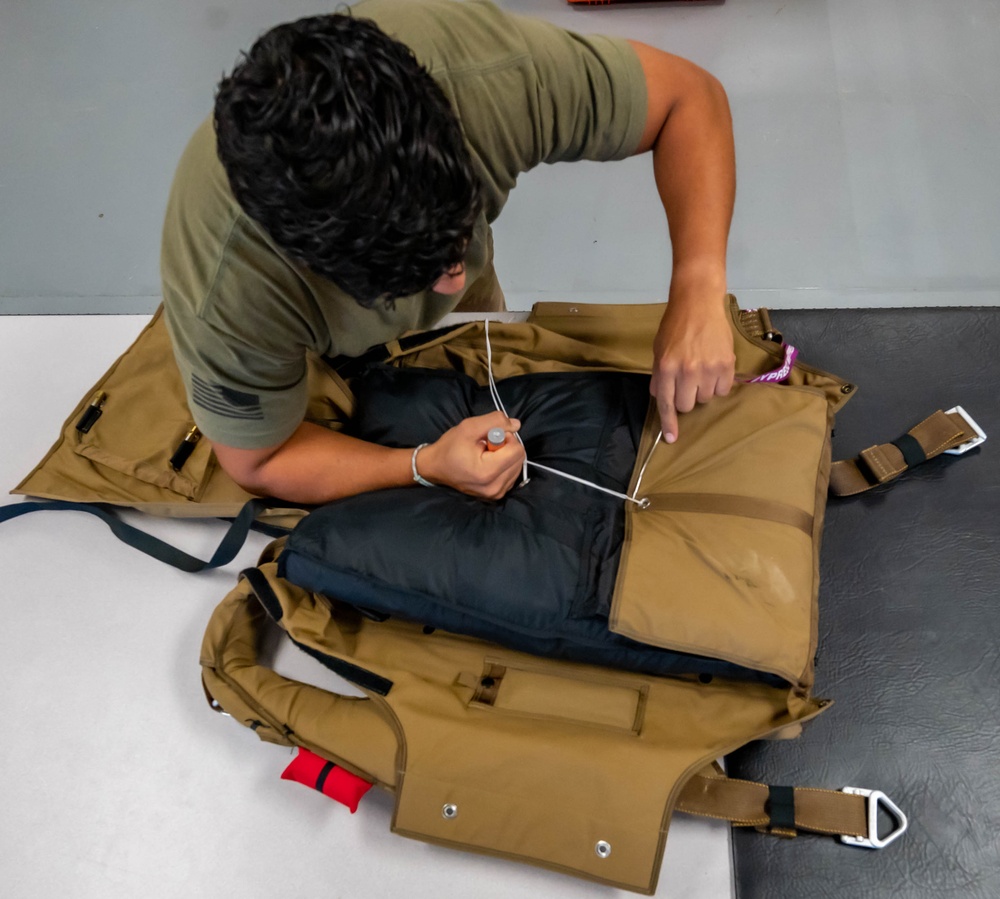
{"x":779,"y":374}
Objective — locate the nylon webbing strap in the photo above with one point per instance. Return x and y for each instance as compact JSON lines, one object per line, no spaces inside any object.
{"x":748,"y":804}
{"x":781,"y":809}
{"x":879,"y":464}
{"x":728,"y":504}
{"x":226,"y":551}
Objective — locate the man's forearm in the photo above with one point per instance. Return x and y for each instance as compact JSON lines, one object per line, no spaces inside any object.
{"x":317,"y":465}
{"x":689,"y":129}
{"x":694,"y":166}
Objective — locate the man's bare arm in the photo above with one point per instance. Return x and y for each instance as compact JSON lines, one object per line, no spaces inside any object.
{"x":316,"y":465}
{"x":689,"y":129}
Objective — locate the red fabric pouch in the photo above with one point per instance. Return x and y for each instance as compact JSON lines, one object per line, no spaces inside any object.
{"x":330,"y":779}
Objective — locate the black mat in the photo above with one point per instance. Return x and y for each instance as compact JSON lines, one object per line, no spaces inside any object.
{"x":909,"y":623}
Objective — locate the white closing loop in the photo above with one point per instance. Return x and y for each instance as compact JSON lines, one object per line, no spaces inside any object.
{"x":641,"y":503}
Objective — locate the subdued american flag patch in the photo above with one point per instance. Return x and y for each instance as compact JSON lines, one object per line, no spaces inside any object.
{"x":225,"y":401}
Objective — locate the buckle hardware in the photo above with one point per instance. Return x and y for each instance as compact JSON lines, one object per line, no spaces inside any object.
{"x":969,"y":444}
{"x":875,"y":798}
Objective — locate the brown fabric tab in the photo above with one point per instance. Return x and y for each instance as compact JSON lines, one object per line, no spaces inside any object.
{"x":744,"y":803}
{"x":751,"y":320}
{"x":883,"y":462}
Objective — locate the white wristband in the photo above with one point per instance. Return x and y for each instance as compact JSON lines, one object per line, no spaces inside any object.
{"x":413,"y":468}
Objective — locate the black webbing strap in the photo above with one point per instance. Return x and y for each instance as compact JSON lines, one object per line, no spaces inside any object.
{"x":367,"y":680}
{"x":781,"y":809}
{"x":226,"y":551}
{"x":323,"y":775}
{"x":913,"y":452}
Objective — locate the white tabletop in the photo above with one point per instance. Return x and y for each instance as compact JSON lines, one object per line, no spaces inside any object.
{"x":118,"y":780}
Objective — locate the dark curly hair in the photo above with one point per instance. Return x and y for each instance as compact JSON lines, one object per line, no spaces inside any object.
{"x":341,"y":145}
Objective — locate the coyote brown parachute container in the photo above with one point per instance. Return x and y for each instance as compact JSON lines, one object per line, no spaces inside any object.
{"x":553,"y":761}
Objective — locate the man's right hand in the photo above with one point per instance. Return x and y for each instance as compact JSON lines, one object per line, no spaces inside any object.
{"x":316,"y":465}
{"x":459,"y":458}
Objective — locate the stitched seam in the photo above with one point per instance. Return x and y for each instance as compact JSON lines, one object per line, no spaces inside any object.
{"x":474,"y":70}
{"x":938,"y":448}
{"x":881,"y":469}
{"x":223,"y":254}
{"x":737,"y":822}
{"x":945,"y":443}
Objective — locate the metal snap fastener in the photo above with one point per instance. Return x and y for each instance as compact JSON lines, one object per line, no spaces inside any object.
{"x":603,"y":849}
{"x":449,"y":811}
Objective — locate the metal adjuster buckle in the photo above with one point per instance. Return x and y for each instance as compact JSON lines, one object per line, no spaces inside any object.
{"x":969,"y":444}
{"x":873,"y":840}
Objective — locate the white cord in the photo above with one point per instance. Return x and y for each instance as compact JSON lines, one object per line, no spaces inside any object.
{"x":642,"y":503}
{"x":645,"y":502}
{"x":499,"y":403}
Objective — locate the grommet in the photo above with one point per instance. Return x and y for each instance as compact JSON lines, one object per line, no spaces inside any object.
{"x":847,"y":388}
{"x":449,"y":811}
{"x":645,"y":502}
{"x":603,"y":849}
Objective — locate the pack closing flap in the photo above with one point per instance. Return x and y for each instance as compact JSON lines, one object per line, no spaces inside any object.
{"x":736,"y":505}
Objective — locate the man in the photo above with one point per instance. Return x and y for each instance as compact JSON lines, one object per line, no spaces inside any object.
{"x":343,"y":194}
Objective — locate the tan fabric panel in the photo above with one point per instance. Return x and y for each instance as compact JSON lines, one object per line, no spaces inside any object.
{"x":536,"y":788}
{"x":736,"y":587}
{"x":628,"y":330}
{"x":348,"y":730}
{"x":123,"y":459}
{"x":601,"y":701}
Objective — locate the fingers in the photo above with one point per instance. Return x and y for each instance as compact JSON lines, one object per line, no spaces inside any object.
{"x":665,"y":395}
{"x":460,"y":458}
{"x":493,"y":420}
{"x":680,"y":389}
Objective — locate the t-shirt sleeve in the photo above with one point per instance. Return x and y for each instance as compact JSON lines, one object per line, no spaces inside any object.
{"x":233,"y":309}
{"x":590,"y":94}
{"x":231,"y":385}
{"x":527,"y":91}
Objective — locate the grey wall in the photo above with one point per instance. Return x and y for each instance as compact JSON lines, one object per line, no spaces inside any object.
{"x":867,"y":138}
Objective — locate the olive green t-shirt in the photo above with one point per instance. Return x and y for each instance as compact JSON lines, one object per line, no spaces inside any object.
{"x":242,"y":315}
